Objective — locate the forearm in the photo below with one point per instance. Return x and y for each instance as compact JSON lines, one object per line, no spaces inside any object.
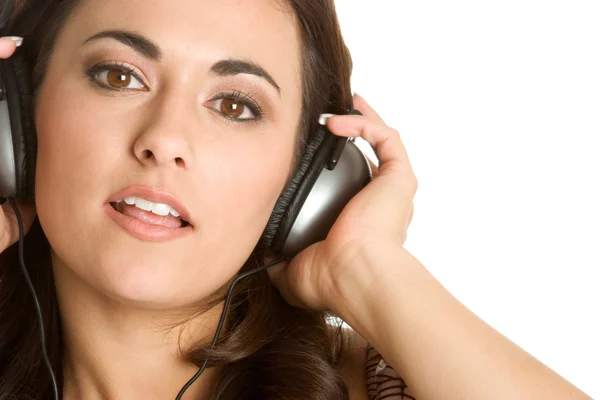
{"x":436,"y":344}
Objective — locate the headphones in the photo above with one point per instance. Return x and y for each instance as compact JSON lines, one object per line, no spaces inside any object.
{"x":331,"y":171}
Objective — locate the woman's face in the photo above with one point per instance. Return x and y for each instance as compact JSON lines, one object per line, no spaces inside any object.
{"x":120,"y":116}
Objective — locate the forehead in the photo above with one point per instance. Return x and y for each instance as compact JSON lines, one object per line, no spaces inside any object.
{"x":264,"y":31}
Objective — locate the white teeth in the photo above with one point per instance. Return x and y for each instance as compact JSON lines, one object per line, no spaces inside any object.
{"x":143,"y":204}
{"x":156,"y":208}
{"x":161,"y":209}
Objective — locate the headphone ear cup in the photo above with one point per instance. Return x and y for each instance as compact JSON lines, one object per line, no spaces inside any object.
{"x":22,"y":125}
{"x":287,"y":195}
{"x":335,"y":171}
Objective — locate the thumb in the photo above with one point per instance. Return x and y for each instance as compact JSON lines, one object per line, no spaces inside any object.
{"x":279,"y":276}
{"x":277,"y":273}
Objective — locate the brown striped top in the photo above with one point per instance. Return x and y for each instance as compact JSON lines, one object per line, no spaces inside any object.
{"x":383,"y":383}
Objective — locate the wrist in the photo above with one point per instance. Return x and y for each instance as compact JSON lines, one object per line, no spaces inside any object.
{"x":370,"y":282}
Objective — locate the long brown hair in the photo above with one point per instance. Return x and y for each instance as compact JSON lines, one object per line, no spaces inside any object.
{"x":269,"y":349}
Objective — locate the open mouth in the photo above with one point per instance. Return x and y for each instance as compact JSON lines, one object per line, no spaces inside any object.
{"x":149,"y":216}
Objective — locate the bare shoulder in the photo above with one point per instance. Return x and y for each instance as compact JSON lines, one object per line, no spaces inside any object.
{"x":353,"y":365}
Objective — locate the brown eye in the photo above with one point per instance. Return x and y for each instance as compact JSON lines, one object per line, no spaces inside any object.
{"x":118,"y":79}
{"x":232,"y":107}
{"x":115,"y":77}
{"x":237,"y":106}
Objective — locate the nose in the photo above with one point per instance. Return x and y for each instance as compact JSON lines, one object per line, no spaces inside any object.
{"x":164,"y":140}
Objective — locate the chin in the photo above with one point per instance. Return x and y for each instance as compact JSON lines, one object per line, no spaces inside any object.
{"x":147,"y":285}
{"x":146,"y":282}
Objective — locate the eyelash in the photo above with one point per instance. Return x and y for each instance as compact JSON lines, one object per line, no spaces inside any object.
{"x":109,"y":66}
{"x":246,"y":99}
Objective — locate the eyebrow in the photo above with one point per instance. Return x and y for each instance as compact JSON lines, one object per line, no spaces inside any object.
{"x":140,"y":44}
{"x":150,"y":50}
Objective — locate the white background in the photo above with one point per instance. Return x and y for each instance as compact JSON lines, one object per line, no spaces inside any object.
{"x":498,"y":104}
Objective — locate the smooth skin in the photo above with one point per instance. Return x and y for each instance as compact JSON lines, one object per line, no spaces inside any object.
{"x":363,"y":273}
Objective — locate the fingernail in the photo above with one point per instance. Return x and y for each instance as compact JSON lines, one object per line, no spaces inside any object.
{"x":324,"y":117}
{"x":16,"y":39}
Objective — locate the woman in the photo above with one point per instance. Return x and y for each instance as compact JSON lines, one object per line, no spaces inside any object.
{"x":133,"y":102}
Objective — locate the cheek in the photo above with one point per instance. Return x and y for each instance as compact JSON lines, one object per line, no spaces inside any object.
{"x":247,"y":192}
{"x":67,"y":144}
{"x":73,"y":158}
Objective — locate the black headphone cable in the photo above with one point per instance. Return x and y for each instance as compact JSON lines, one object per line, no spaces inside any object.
{"x":35,"y":299}
{"x":222,"y":319}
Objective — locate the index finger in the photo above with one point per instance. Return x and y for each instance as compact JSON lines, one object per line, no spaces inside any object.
{"x":386,"y":141}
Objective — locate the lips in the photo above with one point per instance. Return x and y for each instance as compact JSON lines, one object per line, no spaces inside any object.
{"x":148,"y":216}
{"x":155,"y":196}
{"x":147,"y":225}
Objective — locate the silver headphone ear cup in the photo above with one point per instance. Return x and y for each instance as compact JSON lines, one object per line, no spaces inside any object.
{"x":316,"y":195}
{"x":302,"y":191}
{"x":8,"y":183}
{"x":19,"y":128}
{"x":12,"y":140}
{"x":322,"y":199}
{"x":313,"y":205}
